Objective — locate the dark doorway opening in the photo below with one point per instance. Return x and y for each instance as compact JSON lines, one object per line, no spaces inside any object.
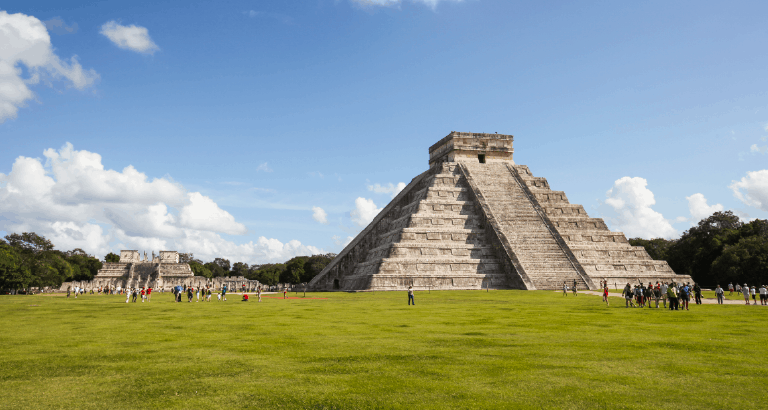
{"x":335,"y":283}
{"x":481,"y":158}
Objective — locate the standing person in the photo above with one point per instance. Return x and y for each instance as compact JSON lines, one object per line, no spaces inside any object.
{"x":605,"y":294}
{"x":135,"y":294}
{"x":719,"y":293}
{"x":753,"y":292}
{"x":198,"y":294}
{"x":730,"y":289}
{"x":143,"y":294}
{"x":410,"y":296}
{"x":149,"y":294}
{"x":738,"y":289}
{"x":285,"y":292}
{"x":664,"y":288}
{"x":190,"y":294}
{"x":697,"y":292}
{"x":224,"y":292}
{"x":258,"y":292}
{"x":209,"y":294}
{"x":574,"y":288}
{"x":657,"y":293}
{"x":672,"y":296}
{"x":565,"y":289}
{"x":69,"y":289}
{"x":683,"y":296}
{"x":763,"y":295}
{"x":745,"y":292}
{"x":127,"y":296}
{"x":627,"y":293}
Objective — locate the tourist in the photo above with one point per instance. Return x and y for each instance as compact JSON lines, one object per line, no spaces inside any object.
{"x":190,"y":294}
{"x":224,"y":292}
{"x":738,"y":289}
{"x":565,"y":288}
{"x":574,"y":288}
{"x":763,"y":294}
{"x":245,"y":297}
{"x":127,"y":296}
{"x":135,"y":295}
{"x":605,"y":293}
{"x":664,"y":288}
{"x":730,"y":289}
{"x":258,"y":292}
{"x":198,"y":295}
{"x":69,"y":289}
{"x":143,"y":294}
{"x":752,"y":290}
{"x":657,"y":293}
{"x":745,"y":292}
{"x":149,"y":294}
{"x":684,"y":295}
{"x":719,"y":293}
{"x":208,"y":293}
{"x":627,"y":293}
{"x":218,"y":295}
{"x":410,"y":296}
{"x":285,"y":293}
{"x":672,"y":296}
{"x":697,"y":292}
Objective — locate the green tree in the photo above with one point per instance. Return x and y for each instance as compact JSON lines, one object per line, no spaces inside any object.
{"x":13,"y":274}
{"x":240,"y":269}
{"x":112,"y":258}
{"x":294,"y":270}
{"x":200,"y":270}
{"x":216,"y":269}
{"x":657,"y":248}
{"x":745,"y":261}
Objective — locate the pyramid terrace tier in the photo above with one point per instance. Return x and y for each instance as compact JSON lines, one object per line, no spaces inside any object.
{"x":427,"y":250}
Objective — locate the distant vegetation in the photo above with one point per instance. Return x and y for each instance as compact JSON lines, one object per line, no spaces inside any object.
{"x":719,"y":250}
{"x":30,"y":260}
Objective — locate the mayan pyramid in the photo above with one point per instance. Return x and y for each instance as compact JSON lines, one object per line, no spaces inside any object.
{"x":476,"y":220}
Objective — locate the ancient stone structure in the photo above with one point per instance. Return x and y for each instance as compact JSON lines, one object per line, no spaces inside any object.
{"x":162,"y":271}
{"x":475,"y":219}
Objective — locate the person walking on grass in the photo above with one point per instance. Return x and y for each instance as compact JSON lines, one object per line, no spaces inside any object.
{"x":605,"y":294}
{"x":410,"y":296}
{"x":143,"y":294}
{"x":730,"y":289}
{"x":127,"y":295}
{"x":565,"y":289}
{"x":719,"y":293}
{"x":574,"y":288}
{"x":208,"y":294}
{"x":190,"y":294}
{"x":745,"y":292}
{"x":197,"y":293}
{"x":69,"y":289}
{"x":224,"y":292}
{"x":627,"y":293}
{"x":697,"y":292}
{"x":753,"y":292}
{"x":657,"y":293}
{"x":149,"y":294}
{"x":685,"y":295}
{"x":763,"y":295}
{"x":258,"y":292}
{"x":738,"y":289}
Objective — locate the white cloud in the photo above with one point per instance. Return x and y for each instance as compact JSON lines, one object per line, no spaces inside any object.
{"x":134,"y":38}
{"x":390,"y":3}
{"x":71,"y":199}
{"x":632,"y":201}
{"x":760,"y":150}
{"x":319,"y":215}
{"x":364,"y":212}
{"x":390,"y":188}
{"x":264,"y":167}
{"x":697,"y":204}
{"x":24,"y":40}
{"x":752,"y":189}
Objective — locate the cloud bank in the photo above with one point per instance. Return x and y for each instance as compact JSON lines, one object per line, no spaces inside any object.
{"x":752,"y":189}
{"x":631,"y":201}
{"x":24,"y":40}
{"x":697,"y":205}
{"x":74,"y":201}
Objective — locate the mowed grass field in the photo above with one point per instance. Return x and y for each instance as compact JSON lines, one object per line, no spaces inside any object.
{"x":454,"y":349}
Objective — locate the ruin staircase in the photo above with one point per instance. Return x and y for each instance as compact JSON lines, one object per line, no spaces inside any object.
{"x":536,"y":250}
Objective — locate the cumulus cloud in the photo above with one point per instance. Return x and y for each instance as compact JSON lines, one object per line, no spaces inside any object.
{"x":632,"y":200}
{"x":73,"y":200}
{"x":24,"y":40}
{"x":319,"y":215}
{"x":390,"y":3}
{"x":364,"y":212}
{"x":697,"y":204}
{"x":134,"y":38}
{"x":390,"y":188}
{"x":752,"y":189}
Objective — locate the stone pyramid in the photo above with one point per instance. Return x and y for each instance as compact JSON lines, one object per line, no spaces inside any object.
{"x":476,"y":220}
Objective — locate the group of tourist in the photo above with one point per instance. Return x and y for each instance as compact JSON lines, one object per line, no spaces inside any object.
{"x":678,"y":294}
{"x":573,"y":288}
{"x":748,"y":291}
{"x":77,"y":291}
{"x":134,"y":293}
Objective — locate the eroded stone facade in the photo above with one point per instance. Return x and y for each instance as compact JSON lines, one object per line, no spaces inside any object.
{"x":477,"y":220}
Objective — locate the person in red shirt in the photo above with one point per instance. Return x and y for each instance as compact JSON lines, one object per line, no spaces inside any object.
{"x":605,"y":294}
{"x":143,"y":295}
{"x":149,"y":294}
{"x":245,"y":297}
{"x":285,"y":292}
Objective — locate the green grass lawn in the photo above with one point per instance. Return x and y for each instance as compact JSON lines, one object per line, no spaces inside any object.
{"x":455,"y":349}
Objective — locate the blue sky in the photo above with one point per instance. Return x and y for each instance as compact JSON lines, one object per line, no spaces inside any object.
{"x":650,"y":115}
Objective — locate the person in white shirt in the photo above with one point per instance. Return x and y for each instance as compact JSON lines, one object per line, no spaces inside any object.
{"x":753,"y":292}
{"x":127,"y":294}
{"x":730,"y":289}
{"x":738,"y":288}
{"x":763,"y":295}
{"x":719,"y":293}
{"x":745,"y":292}
{"x":664,"y":288}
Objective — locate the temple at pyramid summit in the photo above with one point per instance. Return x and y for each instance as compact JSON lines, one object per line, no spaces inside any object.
{"x":477,"y":220}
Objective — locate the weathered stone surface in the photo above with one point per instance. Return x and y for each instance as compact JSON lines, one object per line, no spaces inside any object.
{"x":476,"y":220}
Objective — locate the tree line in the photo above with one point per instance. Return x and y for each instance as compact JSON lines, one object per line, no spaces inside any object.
{"x":300,"y":269}
{"x":719,"y":250}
